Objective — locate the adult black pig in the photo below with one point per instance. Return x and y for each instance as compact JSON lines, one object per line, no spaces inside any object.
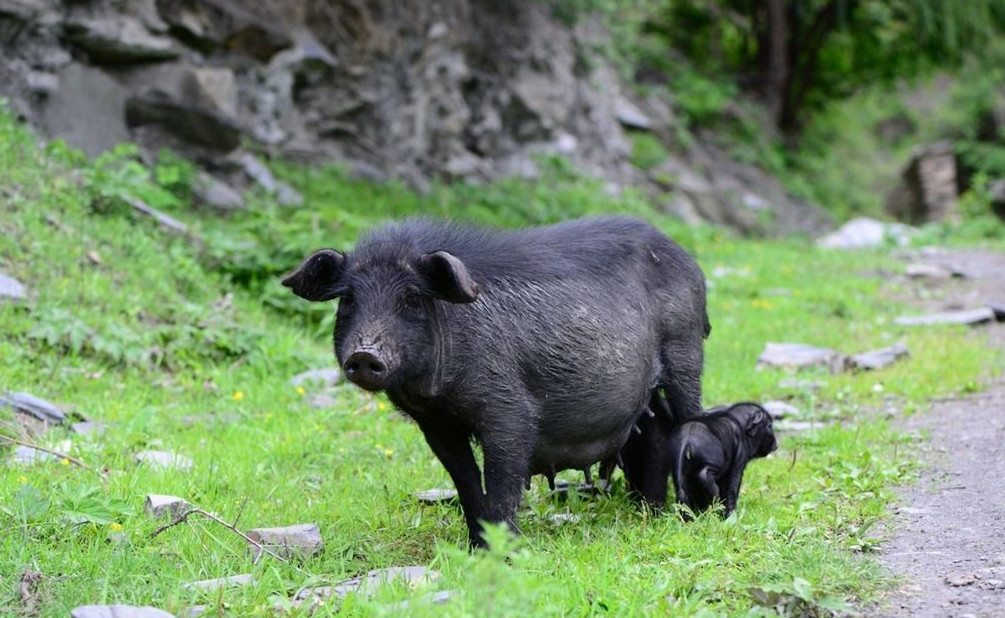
{"x":542,"y":344}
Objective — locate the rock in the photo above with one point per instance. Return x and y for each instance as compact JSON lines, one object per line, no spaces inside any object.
{"x":195,"y":104}
{"x":86,"y":428}
{"x":865,"y":233}
{"x":966,"y":317}
{"x":630,"y":116}
{"x":324,"y":377}
{"x":999,"y":310}
{"x":929,"y":187}
{"x":24,"y":10}
{"x":321,"y":401}
{"x":436,"y":496}
{"x":877,"y":359}
{"x":159,"y":505}
{"x":233,"y":27}
{"x":194,"y":612}
{"x":297,"y":541}
{"x":799,"y":356}
{"x":11,"y":289}
{"x":118,"y":611}
{"x":780,"y":409}
{"x":436,"y":598}
{"x":368,"y":584}
{"x":802,"y":385}
{"x":33,"y":406}
{"x":257,"y":171}
{"x":563,"y":518}
{"x":119,"y":39}
{"x":164,"y":460}
{"x":25,"y":455}
{"x":87,"y":111}
{"x":922,"y":270}
{"x":216,"y":194}
{"x":220,"y":582}
{"x":42,"y":83}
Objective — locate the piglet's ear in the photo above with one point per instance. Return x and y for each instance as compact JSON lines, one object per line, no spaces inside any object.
{"x":448,"y":277}
{"x":755,"y":421}
{"x":318,"y":276}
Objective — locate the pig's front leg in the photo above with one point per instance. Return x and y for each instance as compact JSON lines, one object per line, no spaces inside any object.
{"x":507,"y":448}
{"x":452,"y":446}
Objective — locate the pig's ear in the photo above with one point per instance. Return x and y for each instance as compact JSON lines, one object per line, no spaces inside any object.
{"x":758,"y":418}
{"x":448,"y":277}
{"x":316,"y":279}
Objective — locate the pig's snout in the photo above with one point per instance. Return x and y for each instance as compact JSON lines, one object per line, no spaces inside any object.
{"x":366,"y":369}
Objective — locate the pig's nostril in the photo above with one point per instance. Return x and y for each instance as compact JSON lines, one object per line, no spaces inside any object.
{"x":366,"y":369}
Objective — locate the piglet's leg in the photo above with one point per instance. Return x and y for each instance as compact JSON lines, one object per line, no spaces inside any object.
{"x":452,"y":446}
{"x":707,"y":478}
{"x":733,"y":490}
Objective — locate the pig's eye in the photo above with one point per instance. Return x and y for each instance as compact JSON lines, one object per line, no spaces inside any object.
{"x":346,"y":300}
{"x":412,"y":301}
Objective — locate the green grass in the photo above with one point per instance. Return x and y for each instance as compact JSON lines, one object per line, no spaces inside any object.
{"x":159,"y":329}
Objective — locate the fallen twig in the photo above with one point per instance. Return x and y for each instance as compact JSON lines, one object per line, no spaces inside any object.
{"x":59,"y":454}
{"x":197,"y":511}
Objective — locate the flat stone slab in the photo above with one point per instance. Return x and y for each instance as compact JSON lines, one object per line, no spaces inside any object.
{"x":800,"y":385}
{"x":436,"y":598}
{"x":159,"y":505}
{"x":865,"y":233}
{"x":368,"y":584}
{"x":11,"y":289}
{"x":87,"y":428}
{"x":436,"y":496}
{"x":25,"y":455}
{"x":322,"y":377}
{"x":877,"y":359}
{"x":118,"y":611}
{"x":780,"y":409}
{"x":799,"y":356}
{"x":297,"y":541}
{"x":965,"y":317}
{"x":220,"y":582}
{"x":40,"y":409}
{"x":164,"y":460}
{"x":924,"y":270}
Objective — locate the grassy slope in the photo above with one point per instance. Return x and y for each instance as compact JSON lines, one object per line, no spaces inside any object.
{"x":151,"y":335}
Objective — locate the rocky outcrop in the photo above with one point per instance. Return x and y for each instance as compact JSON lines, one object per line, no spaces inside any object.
{"x":928,"y":189}
{"x":456,"y":90}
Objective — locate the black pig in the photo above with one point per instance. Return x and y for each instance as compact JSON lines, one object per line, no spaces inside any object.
{"x":542,"y":344}
{"x":709,"y":454}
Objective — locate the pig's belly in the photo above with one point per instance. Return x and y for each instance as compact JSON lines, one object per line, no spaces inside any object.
{"x":553,"y":455}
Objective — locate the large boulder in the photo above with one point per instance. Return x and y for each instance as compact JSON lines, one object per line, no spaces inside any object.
{"x":87,"y":110}
{"x":928,"y":188}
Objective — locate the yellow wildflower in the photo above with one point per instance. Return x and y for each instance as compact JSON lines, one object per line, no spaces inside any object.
{"x":65,"y":462}
{"x":301,"y":390}
{"x":238,"y":396}
{"x":22,"y":479}
{"x":116,"y":526}
{"x":388,"y":452}
{"x":381,"y":406}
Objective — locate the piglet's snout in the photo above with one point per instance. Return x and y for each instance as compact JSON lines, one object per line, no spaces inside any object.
{"x":366,"y":368}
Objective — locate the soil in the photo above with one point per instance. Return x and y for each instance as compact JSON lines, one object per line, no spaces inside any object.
{"x":947,"y":540}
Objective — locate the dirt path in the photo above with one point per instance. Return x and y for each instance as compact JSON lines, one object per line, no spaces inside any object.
{"x":948,"y":543}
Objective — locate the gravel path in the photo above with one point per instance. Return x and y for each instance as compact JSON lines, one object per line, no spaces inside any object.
{"x":948,"y":544}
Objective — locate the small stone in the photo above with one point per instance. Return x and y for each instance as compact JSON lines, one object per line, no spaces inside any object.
{"x":29,"y":404}
{"x":436,"y":598}
{"x":287,"y":195}
{"x":11,"y":289}
{"x":958,"y":580}
{"x":780,"y":409}
{"x":321,"y":401}
{"x":965,"y":317}
{"x":118,"y":611}
{"x":368,"y":584}
{"x":801,"y":385}
{"x":321,"y":377}
{"x":924,"y":270}
{"x":160,"y":505}
{"x":86,"y":428}
{"x":26,"y":455}
{"x":799,"y":356}
{"x":215,"y":193}
{"x":300,"y":540}
{"x":563,"y":518}
{"x":220,"y":582}
{"x":164,"y":460}
{"x":864,"y":233}
{"x":194,"y":612}
{"x":42,"y":83}
{"x":630,"y":116}
{"x":877,"y":359}
{"x":436,"y":496}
